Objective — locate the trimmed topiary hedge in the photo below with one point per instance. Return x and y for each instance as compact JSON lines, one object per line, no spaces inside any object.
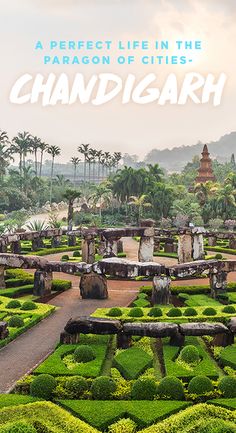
{"x":16,"y":322}
{"x":171,"y":388}
{"x":84,"y":353}
{"x":114,"y":312}
{"x":209,"y":311}
{"x":227,"y":386}
{"x":189,"y":354}
{"x":174,"y":312}
{"x":13,"y":304}
{"x":43,"y":386}
{"x":144,"y":389}
{"x":200,"y":385}
{"x":77,"y":385}
{"x":155,"y":312}
{"x":29,"y":305}
{"x":136,"y":312}
{"x":102,"y":388}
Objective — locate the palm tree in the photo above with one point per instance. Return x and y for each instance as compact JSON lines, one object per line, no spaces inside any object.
{"x":99,"y":159}
{"x":75,"y":162}
{"x":53,"y":151}
{"x":21,"y":146}
{"x":71,"y":195}
{"x":42,"y":147}
{"x":84,"y":150}
{"x":107,"y":158}
{"x":93,"y":156}
{"x":101,"y":197}
{"x":5,"y":153}
{"x":117,"y":158}
{"x":156,"y":172}
{"x":139,"y":203}
{"x":204,"y":191}
{"x":35,"y":143}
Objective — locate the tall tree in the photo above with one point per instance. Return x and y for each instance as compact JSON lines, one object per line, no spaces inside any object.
{"x":53,"y":151}
{"x":35,"y":143}
{"x":21,"y":145}
{"x":84,"y":150}
{"x":71,"y":195}
{"x":5,"y":153}
{"x":75,"y":160}
{"x":42,"y":147}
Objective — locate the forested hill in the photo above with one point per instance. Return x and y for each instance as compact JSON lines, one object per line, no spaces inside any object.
{"x":176,"y":158}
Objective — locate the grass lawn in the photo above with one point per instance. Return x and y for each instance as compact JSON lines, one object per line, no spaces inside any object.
{"x":228,"y":403}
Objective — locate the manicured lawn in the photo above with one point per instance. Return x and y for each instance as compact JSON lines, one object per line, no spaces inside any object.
{"x":15,"y":399}
{"x":54,"y":363}
{"x":102,"y":413}
{"x":132,"y":362}
{"x":228,"y":356}
{"x":207,"y":366}
{"x":228,"y":403}
{"x":199,"y":300}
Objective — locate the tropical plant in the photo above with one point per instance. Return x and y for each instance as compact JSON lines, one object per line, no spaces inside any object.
{"x":71,"y":195}
{"x":53,"y":151}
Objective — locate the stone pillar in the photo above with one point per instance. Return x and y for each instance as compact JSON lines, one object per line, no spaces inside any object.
{"x":123,"y":341}
{"x":37,"y":244}
{"x":111,"y":247}
{"x":3,"y":248}
{"x":198,"y":247}
{"x":93,"y":286}
{"x":71,"y":240}
{"x":120,"y":248}
{"x":185,"y":248}
{"x":161,"y":290}
{"x":2,"y":279}
{"x":232,"y":243}
{"x":4,"y":332}
{"x":56,"y":241}
{"x":146,"y":246}
{"x":212,"y":240}
{"x":42,"y":283}
{"x":177,"y":339}
{"x":88,"y":249}
{"x":16,"y":247}
{"x":66,"y":338}
{"x":157,"y":244}
{"x":223,"y":339}
{"x":169,"y":246}
{"x":102,"y":247}
{"x":218,"y":283}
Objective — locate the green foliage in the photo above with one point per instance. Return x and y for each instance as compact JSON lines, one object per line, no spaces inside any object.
{"x":209,"y":311}
{"x":123,"y":425}
{"x":136,"y":312}
{"x":20,"y":427}
{"x":144,"y":389}
{"x":13,"y":304}
{"x":29,"y":305}
{"x":61,"y":285}
{"x":114,"y":312}
{"x":171,"y":388}
{"x":102,"y":388}
{"x":43,"y":386}
{"x":190,"y":312}
{"x":189,"y":354}
{"x":228,"y":403}
{"x":143,"y":303}
{"x":84,"y":353}
{"x":132,"y":362}
{"x":200,"y":385}
{"x":15,"y":399}
{"x":228,"y":356}
{"x":155,"y":312}
{"x":174,"y":312}
{"x":76,"y":385}
{"x":227,"y":386}
{"x":76,"y":254}
{"x":65,"y":257}
{"x":229,"y":309}
{"x":16,"y":322}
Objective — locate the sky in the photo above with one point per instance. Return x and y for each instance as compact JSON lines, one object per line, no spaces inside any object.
{"x":131,"y":128}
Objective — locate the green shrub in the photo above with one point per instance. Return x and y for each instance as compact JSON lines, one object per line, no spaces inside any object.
{"x":102,"y":388}
{"x":20,"y":427}
{"x":142,"y":295}
{"x":227,"y":386}
{"x":228,"y":309}
{"x":123,"y":425}
{"x":218,"y":256}
{"x":209,"y":311}
{"x":114,"y":312}
{"x":155,"y":312}
{"x":76,"y":254}
{"x":84,"y":353}
{"x":200,"y":385}
{"x":142,"y":303}
{"x":189,"y":354}
{"x":171,"y":388}
{"x":43,"y":386}
{"x":136,"y":312}
{"x":190,"y":312}
{"x":65,"y":257}
{"x":13,"y":304}
{"x":144,"y":389}
{"x":29,"y":305}
{"x":76,"y":385}
{"x":61,"y":285}
{"x":174,"y":312}
{"x":16,"y":322}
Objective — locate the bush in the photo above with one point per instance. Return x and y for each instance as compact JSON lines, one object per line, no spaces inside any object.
{"x":136,"y":312}
{"x":20,"y":427}
{"x":229,"y":309}
{"x":227,"y":386}
{"x":218,"y":256}
{"x":200,"y":385}
{"x":76,"y":385}
{"x":189,"y":354}
{"x":142,"y":295}
{"x":209,"y":311}
{"x":171,"y":388}
{"x":16,"y":322}
{"x":190,"y":312}
{"x":174,"y":312}
{"x":61,"y":285}
{"x":76,"y":254}
{"x":84,"y":353}
{"x":13,"y":304}
{"x":65,"y":257}
{"x":155,"y":312}
{"x":142,"y":303}
{"x":29,"y":305}
{"x":123,"y":425}
{"x":102,"y":388}
{"x":114,"y":312}
{"x":43,"y":386}
{"x":144,"y":389}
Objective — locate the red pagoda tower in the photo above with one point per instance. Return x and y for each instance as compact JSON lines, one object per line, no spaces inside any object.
{"x":205,"y":172}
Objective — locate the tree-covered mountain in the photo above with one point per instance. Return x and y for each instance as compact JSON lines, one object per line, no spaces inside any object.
{"x":175,"y":159}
